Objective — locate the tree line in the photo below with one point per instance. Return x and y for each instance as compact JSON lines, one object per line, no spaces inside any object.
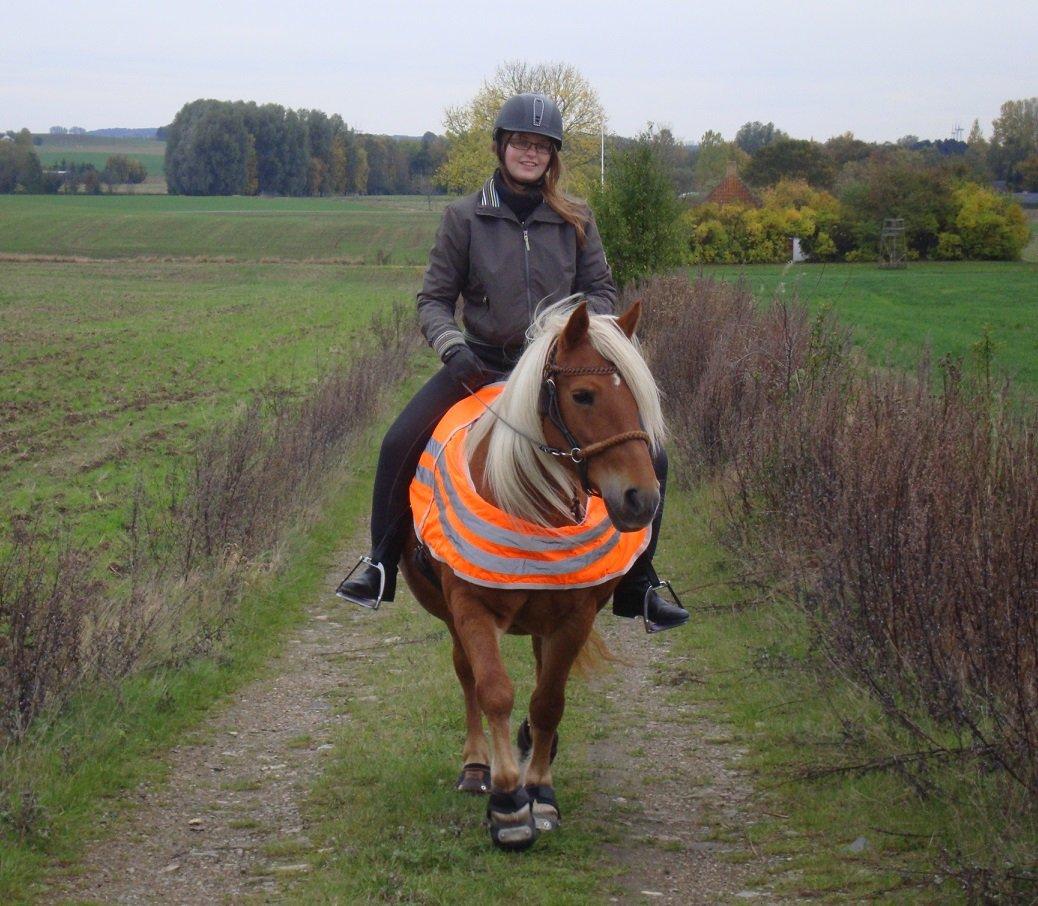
{"x":244,"y":148}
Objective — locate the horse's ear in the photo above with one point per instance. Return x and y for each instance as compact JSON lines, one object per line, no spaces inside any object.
{"x":576,"y":327}
{"x":629,"y":319}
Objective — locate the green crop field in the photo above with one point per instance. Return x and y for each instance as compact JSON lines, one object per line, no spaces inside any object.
{"x":109,"y":371}
{"x":391,"y":230}
{"x":95,"y":149}
{"x":895,"y":314}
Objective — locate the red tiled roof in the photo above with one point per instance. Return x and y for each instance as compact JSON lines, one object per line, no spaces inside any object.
{"x":732,"y":190}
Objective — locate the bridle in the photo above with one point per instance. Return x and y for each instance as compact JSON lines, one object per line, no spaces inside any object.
{"x":548,"y":407}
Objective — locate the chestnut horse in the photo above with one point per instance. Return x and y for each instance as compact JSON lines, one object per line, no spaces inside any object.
{"x":579,"y":415}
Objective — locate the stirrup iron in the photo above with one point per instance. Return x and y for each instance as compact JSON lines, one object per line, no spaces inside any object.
{"x":365,"y":561}
{"x":651,"y":627}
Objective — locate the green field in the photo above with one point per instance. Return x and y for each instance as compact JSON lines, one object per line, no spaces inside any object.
{"x":96,"y":149}
{"x":376,"y":230}
{"x":945,"y":306}
{"x":111,"y":370}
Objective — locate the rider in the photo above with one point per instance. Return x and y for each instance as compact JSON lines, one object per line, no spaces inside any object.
{"x":516,"y":242}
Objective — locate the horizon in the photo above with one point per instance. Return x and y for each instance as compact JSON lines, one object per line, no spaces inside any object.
{"x":815,"y":71}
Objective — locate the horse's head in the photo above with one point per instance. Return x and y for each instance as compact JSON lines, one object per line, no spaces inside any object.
{"x":594,"y":389}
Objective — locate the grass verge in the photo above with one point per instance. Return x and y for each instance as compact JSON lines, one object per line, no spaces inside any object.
{"x":834,"y":834}
{"x":63,"y":782}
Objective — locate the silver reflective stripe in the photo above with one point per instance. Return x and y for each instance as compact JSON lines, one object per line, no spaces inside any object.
{"x":517,"y":566}
{"x":496,"y":533}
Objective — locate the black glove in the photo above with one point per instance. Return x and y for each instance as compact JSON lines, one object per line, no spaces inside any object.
{"x":465,"y":367}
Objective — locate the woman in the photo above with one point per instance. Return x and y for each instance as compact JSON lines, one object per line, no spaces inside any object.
{"x":515,"y":243}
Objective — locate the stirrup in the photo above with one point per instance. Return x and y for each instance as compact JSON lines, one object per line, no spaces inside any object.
{"x":365,"y":561}
{"x":651,"y":627}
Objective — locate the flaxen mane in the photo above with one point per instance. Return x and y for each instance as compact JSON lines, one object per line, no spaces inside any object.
{"x":524,"y":481}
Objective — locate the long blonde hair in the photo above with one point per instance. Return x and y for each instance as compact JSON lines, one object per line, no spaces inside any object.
{"x":572,"y":210}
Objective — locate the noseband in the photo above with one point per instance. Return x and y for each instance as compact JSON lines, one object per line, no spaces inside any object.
{"x":548,"y":407}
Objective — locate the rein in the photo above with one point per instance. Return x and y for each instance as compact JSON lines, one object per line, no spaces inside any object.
{"x":549,"y":407}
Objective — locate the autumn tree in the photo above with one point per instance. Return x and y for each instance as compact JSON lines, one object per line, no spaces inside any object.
{"x":470,"y":127}
{"x":791,"y":158}
{"x":713,"y":157}
{"x":751,"y":137}
{"x":1014,"y":138}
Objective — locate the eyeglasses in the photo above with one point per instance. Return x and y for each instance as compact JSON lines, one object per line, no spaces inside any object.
{"x":521,"y":144}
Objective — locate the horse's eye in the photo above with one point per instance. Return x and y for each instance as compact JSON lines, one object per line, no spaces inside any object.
{"x":583,"y":397}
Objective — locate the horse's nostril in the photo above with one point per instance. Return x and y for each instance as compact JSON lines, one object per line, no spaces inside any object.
{"x":632,"y":499}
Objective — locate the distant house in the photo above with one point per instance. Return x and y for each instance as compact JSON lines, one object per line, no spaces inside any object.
{"x":732,"y":190}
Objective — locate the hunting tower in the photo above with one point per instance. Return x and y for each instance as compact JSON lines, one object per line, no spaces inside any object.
{"x":892,"y":246}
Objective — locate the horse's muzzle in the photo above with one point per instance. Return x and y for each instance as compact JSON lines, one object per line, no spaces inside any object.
{"x":631,"y":508}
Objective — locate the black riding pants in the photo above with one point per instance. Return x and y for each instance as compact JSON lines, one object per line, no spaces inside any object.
{"x":398,"y":460}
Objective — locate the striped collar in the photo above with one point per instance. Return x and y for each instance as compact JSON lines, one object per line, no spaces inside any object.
{"x":490,"y":203}
{"x":488,"y":197}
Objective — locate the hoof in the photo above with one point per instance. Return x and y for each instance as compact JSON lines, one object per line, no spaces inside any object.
{"x":524,"y":739}
{"x":510,"y":820}
{"x":546,"y":815}
{"x":474,"y":778}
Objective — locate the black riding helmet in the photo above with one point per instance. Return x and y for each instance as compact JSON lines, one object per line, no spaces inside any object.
{"x":530,"y":112}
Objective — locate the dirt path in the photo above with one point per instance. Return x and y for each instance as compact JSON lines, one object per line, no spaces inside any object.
{"x":227,"y":826}
{"x":673,"y":775}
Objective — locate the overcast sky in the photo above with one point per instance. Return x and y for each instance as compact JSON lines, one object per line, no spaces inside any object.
{"x":880,"y":68}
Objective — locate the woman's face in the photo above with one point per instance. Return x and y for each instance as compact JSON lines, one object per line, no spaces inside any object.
{"x":529,"y":165}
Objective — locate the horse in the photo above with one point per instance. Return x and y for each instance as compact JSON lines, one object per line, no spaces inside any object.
{"x":578,"y":419}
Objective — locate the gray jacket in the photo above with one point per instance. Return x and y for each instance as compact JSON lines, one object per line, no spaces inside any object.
{"x":502,"y":269}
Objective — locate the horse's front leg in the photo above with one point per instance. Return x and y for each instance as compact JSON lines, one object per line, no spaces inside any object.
{"x":558,"y":652}
{"x":509,"y":812}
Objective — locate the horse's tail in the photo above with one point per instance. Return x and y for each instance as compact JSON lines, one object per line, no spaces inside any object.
{"x":594,"y":655}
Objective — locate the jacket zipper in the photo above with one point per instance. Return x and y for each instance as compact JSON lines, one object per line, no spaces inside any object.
{"x":526,"y":261}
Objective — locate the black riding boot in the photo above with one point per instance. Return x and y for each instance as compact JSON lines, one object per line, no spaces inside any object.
{"x":390,"y":503}
{"x":637,"y":594}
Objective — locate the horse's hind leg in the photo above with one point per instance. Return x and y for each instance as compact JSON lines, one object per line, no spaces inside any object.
{"x":475,"y":755}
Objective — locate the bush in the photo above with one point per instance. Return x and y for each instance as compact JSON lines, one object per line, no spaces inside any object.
{"x":949,"y":247}
{"x":894,"y":184}
{"x":637,"y":212}
{"x":732,"y":234}
{"x":903,"y":511}
{"x":990,"y":226}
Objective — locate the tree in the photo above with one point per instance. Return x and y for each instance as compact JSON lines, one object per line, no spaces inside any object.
{"x":20,"y":169}
{"x":120,"y":169}
{"x":977,"y":149}
{"x":1014,"y":138}
{"x":470,"y":127}
{"x":791,"y":158}
{"x":751,"y":137}
{"x":896,"y":183}
{"x":844,"y":148}
{"x":637,"y":212}
{"x":712,"y":159}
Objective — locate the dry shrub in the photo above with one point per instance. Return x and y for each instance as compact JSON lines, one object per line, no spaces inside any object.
{"x":906,"y":512}
{"x":185,"y":562}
